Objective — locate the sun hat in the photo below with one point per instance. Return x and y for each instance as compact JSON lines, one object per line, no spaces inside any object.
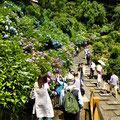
{"x":70,"y":79}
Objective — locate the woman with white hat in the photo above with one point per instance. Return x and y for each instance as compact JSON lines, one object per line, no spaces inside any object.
{"x":77,"y":94}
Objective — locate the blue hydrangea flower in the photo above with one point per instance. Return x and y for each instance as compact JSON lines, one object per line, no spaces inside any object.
{"x":19,"y":9}
{"x":6,"y":27}
{"x":6,"y":36}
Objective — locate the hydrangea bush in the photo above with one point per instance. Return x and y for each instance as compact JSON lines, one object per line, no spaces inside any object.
{"x":29,"y":47}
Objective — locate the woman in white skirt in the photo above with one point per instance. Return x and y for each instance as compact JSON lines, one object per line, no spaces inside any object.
{"x":43,"y":105}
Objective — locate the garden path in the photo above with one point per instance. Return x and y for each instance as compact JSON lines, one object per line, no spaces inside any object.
{"x":109,"y":105}
{"x":109,"y":110}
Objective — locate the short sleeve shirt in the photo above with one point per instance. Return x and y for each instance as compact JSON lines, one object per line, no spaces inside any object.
{"x":114,"y":79}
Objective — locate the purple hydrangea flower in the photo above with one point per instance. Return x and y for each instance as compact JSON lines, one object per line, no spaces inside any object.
{"x":21,"y":41}
{"x":45,"y":54}
{"x":33,"y":58}
{"x":25,"y":38}
{"x":53,"y":64}
{"x":53,"y":79}
{"x":25,"y":44}
{"x":25,"y":47}
{"x":54,"y":92}
{"x":48,"y":63}
{"x":48,"y":80}
{"x":29,"y":60}
{"x":49,"y":74}
{"x":40,"y":53}
{"x":26,"y":52}
{"x":59,"y":65}
{"x":40,"y":44}
{"x":59,"y":70}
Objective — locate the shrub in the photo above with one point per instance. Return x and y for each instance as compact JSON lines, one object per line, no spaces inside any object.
{"x":98,"y":48}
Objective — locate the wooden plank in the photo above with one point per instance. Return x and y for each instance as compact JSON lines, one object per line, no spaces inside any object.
{"x":113,"y":103}
{"x":117,"y":113}
{"x":90,"y":85}
{"x":115,"y":118}
{"x":109,"y":107}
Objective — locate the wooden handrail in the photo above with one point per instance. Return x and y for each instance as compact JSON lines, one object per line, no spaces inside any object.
{"x":94,"y":107}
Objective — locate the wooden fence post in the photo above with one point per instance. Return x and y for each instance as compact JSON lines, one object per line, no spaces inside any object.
{"x":91,"y":102}
{"x":96,"y":115}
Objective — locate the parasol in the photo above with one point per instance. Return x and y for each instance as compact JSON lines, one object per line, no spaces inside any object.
{"x":101,"y":62}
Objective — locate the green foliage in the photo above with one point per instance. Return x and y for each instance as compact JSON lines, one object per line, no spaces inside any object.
{"x":98,"y":48}
{"x":116,"y":17}
{"x":91,"y":13}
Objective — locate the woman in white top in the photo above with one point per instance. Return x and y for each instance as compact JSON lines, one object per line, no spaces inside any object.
{"x":99,"y":79}
{"x":43,"y":105}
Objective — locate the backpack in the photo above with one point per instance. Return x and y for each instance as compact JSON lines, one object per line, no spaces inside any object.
{"x":70,"y":103}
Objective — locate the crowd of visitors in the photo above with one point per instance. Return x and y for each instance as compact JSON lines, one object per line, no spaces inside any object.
{"x":70,"y":90}
{"x":113,"y":83}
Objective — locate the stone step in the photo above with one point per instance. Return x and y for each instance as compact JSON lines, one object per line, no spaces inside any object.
{"x":90,"y":85}
{"x":117,"y":112}
{"x":104,"y":98}
{"x":97,"y":91}
{"x":113,"y":103}
{"x":109,"y":107}
{"x":105,"y":95}
{"x":115,"y":118}
{"x":96,"y":88}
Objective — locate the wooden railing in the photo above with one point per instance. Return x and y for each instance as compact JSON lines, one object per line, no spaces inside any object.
{"x":95,"y":113}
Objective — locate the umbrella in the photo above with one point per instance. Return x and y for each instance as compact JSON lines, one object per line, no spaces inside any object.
{"x":101,"y":62}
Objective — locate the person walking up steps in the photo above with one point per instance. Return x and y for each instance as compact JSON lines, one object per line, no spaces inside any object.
{"x":85,"y":52}
{"x":88,"y":59}
{"x":72,"y":110}
{"x":99,"y":79}
{"x":114,"y":82}
{"x":92,"y":69}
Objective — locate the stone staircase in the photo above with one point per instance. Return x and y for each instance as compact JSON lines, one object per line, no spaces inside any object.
{"x":109,"y":105}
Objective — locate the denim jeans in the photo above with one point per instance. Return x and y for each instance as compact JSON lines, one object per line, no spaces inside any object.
{"x":42,"y":119}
